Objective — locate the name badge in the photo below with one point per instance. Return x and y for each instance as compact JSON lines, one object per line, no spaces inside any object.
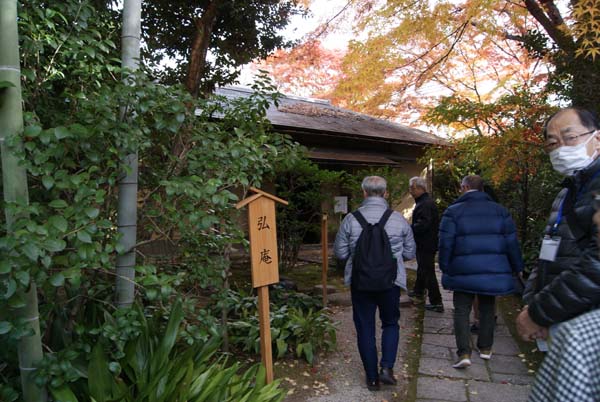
{"x":549,"y":248}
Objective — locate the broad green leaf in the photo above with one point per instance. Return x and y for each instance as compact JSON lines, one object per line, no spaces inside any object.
{"x":92,"y":213}
{"x":5,"y":326}
{"x":61,"y":132}
{"x":161,"y":354}
{"x":59,"y":223}
{"x":23,"y":277}
{"x":63,"y":394}
{"x":32,"y":251}
{"x":58,"y":204}
{"x":11,"y":288}
{"x":57,"y":279}
{"x":32,"y":131}
{"x":16,"y":301}
{"x":4,"y":266}
{"x":55,"y":245}
{"x":48,"y":182}
{"x":84,"y":236}
{"x":100,"y":381}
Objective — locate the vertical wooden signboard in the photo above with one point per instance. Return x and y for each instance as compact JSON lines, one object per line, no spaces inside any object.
{"x":265,"y":262}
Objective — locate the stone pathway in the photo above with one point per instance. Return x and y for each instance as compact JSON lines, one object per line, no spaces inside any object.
{"x":343,"y":368}
{"x":503,"y":378}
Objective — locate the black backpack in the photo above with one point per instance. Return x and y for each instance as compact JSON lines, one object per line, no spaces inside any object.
{"x":373,"y":265}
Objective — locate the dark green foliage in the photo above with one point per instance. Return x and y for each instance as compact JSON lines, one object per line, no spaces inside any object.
{"x":243,"y":31}
{"x":306,"y":187}
{"x":397,"y":184}
{"x":195,"y":157}
{"x":153,"y":368}
{"x":298,"y":325}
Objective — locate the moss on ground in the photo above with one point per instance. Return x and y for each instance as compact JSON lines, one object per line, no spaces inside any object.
{"x":509,"y":307}
{"x":413,"y":345}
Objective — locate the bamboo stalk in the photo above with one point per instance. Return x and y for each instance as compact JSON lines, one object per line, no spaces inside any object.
{"x":128,"y":185}
{"x":14,"y":180}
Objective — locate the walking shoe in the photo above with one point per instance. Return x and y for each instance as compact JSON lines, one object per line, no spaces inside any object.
{"x":373,"y":385}
{"x":485,"y":354}
{"x":463,"y":362}
{"x":438,"y":308}
{"x":386,"y":376}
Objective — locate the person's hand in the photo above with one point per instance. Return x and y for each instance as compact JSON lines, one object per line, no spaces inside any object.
{"x":528,"y":329}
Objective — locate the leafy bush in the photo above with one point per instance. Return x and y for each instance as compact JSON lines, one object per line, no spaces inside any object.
{"x":305,"y":186}
{"x":154,"y":368}
{"x":298,"y":328}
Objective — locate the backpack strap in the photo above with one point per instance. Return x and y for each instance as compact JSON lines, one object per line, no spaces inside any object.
{"x":384,"y":218}
{"x":360,"y":218}
{"x":363,"y":222}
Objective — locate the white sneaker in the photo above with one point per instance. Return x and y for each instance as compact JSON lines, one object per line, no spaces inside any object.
{"x":485,"y":354}
{"x":463,"y":362}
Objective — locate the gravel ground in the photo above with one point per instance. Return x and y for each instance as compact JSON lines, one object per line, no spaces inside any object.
{"x":339,"y":376}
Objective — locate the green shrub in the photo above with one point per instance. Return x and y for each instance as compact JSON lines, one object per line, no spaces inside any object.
{"x":298,"y":328}
{"x":155,"y":368}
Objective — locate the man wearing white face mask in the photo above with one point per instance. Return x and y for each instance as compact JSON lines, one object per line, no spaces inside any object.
{"x":566,"y":282}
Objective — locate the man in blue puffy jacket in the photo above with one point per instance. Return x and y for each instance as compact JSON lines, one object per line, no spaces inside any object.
{"x":478,"y":255}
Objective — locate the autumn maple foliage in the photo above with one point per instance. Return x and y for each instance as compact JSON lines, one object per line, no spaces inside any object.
{"x":309,"y":69}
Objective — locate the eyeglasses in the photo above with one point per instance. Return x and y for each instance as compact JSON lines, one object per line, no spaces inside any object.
{"x":552,"y":143}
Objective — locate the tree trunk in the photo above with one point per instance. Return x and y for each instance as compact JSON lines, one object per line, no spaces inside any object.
{"x":127,"y":209}
{"x":197,"y":61}
{"x":14,"y":180}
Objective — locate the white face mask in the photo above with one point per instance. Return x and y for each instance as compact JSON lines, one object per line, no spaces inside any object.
{"x":568,"y":159}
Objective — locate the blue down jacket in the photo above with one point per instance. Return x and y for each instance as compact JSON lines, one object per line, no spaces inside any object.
{"x":478,"y":250}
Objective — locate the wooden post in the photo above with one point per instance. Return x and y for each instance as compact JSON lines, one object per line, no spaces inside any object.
{"x":265,"y":331}
{"x":265,"y":263}
{"x":324,"y":257}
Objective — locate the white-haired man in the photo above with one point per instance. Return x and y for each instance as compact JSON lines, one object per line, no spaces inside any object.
{"x":374,"y":218}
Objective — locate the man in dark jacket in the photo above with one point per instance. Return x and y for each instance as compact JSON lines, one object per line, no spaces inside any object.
{"x":479,"y":254}
{"x":425,"y":225}
{"x":566,"y":282}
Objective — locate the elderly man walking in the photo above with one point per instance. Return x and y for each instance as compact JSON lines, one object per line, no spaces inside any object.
{"x":425,"y":224}
{"x":374,"y":240}
{"x":479,"y":253}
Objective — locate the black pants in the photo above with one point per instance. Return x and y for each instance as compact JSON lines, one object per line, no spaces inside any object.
{"x":426,"y":278}
{"x":462,"y":311}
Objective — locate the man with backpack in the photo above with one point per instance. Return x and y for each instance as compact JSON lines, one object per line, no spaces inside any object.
{"x":374,"y":241}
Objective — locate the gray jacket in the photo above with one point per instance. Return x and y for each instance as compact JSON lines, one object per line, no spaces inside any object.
{"x":397,"y":228}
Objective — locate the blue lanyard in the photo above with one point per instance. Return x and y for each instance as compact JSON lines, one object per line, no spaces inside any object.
{"x":559,"y":215}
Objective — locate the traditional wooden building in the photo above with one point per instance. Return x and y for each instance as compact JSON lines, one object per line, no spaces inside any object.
{"x":341,"y":139}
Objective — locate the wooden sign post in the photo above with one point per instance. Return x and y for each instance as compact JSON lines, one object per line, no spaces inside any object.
{"x":324,"y":257}
{"x":265,"y":262}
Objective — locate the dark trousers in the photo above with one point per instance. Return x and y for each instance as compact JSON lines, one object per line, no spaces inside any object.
{"x":426,"y":278}
{"x":364,"y":305}
{"x":462,"y":310}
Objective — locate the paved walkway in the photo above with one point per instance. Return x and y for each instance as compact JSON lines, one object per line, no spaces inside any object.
{"x":503,"y":378}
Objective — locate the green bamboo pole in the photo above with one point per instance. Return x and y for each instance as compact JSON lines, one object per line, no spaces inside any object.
{"x":127,"y":210}
{"x":14,"y":181}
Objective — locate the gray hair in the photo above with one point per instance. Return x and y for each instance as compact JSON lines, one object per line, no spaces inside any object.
{"x":418,"y":182}
{"x":473,"y":181}
{"x":374,"y":186}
